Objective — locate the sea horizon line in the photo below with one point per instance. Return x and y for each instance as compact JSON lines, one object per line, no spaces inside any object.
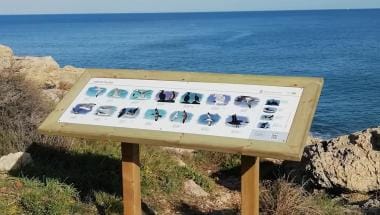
{"x":188,"y":12}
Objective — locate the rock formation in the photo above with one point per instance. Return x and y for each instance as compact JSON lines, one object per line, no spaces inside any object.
{"x":191,"y":188}
{"x":14,"y":161}
{"x":43,"y":71}
{"x":350,"y":162}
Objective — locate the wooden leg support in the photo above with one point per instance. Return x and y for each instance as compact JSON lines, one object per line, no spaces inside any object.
{"x":130,"y":154}
{"x":132,"y":188}
{"x":250,"y":167}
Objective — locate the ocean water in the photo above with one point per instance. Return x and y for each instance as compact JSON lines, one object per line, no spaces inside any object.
{"x":342,"y":46}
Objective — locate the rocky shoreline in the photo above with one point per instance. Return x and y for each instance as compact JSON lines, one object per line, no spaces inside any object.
{"x":349,"y":163}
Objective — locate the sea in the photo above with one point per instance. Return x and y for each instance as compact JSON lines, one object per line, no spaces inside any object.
{"x":342,"y":46}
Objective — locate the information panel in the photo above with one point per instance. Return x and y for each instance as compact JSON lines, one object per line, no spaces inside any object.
{"x":264,"y":116}
{"x":243,"y":111}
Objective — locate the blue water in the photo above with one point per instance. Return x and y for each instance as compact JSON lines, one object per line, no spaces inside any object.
{"x":343,"y":46}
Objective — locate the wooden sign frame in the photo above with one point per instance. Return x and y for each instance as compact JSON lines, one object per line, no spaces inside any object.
{"x":250,"y":149}
{"x":291,"y":150}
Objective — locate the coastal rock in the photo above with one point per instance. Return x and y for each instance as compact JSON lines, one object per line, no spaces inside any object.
{"x":6,"y":57}
{"x":42,"y":71}
{"x":350,"y":162}
{"x":14,"y":161}
{"x":65,"y":79}
{"x":372,"y":203}
{"x":191,"y":188}
{"x":311,"y":140}
{"x":372,"y":206}
{"x":36,"y":64}
{"x":71,"y":69}
{"x":54,"y":95}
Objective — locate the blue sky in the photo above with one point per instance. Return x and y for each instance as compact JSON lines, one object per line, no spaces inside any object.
{"x":126,"y":6}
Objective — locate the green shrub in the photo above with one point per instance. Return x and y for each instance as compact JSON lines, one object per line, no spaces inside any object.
{"x":159,"y":172}
{"x":51,"y":197}
{"x":108,"y":204}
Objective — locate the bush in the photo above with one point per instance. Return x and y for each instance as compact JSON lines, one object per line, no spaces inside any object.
{"x":22,"y":108}
{"x":283,"y":198}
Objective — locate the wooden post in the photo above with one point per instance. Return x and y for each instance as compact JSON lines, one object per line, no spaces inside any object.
{"x":250,"y":167}
{"x":130,"y":154}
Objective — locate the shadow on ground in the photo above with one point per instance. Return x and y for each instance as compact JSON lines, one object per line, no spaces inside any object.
{"x":292,"y":171}
{"x":187,"y":209}
{"x":86,"y":172}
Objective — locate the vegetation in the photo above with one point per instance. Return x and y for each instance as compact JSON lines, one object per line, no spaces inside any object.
{"x":283,"y":197}
{"x":31,"y":196}
{"x":74,"y":176}
{"x":21,"y":110}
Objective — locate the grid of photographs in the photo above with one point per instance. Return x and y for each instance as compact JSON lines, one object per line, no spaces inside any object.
{"x":170,"y":96}
{"x":183,"y":109}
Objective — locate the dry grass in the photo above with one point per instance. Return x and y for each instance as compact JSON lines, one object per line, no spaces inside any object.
{"x":283,"y":198}
{"x":22,"y":108}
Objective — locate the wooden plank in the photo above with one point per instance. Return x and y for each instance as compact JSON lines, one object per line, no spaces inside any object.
{"x":131,"y":178}
{"x":250,"y":191}
{"x":291,"y":150}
